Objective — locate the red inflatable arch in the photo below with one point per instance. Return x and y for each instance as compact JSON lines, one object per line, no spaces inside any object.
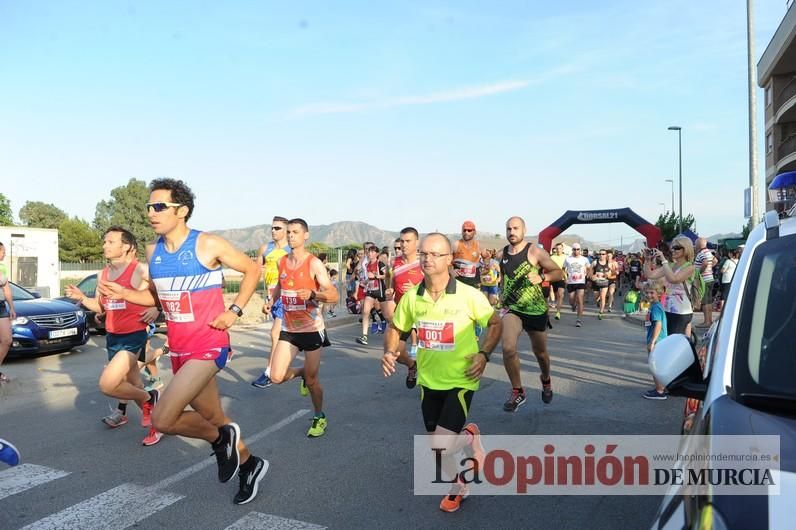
{"x":623,"y":215}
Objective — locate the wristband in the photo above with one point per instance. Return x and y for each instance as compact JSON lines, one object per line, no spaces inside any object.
{"x":235,"y":309}
{"x":485,"y":354}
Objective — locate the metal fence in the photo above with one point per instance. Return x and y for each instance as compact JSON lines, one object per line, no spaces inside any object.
{"x":85,"y":266}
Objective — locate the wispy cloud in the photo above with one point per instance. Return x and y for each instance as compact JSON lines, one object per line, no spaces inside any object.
{"x":446,"y":96}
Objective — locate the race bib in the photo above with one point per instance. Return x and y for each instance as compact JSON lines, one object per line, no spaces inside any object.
{"x":115,"y":305}
{"x":177,"y":306}
{"x":647,"y":323}
{"x":292,"y":302}
{"x":436,"y":335}
{"x":467,"y":271}
{"x":374,"y":285}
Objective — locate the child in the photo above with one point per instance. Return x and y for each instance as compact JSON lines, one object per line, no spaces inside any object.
{"x":655,"y":325}
{"x":333,"y":279}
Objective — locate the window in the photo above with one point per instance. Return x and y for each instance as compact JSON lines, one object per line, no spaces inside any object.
{"x":767,"y":94}
{"x":769,"y":143}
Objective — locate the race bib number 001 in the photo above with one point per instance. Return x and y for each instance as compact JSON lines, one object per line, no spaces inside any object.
{"x":291,"y":301}
{"x":435,"y":335}
{"x":177,"y":306}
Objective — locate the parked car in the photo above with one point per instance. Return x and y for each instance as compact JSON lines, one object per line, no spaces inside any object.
{"x":44,"y":325}
{"x":88,"y":286}
{"x":745,"y":382}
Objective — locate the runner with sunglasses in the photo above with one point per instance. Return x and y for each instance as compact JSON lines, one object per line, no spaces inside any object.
{"x":467,"y":257}
{"x":578,"y":269}
{"x":269,"y":255}
{"x":185,"y":271}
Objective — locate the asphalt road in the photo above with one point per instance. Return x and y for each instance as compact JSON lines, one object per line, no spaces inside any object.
{"x":79,"y":474}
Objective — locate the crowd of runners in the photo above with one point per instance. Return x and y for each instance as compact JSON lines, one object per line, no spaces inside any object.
{"x":442,"y":307}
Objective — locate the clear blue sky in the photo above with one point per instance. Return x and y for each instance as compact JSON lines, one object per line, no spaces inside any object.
{"x":392,"y":113}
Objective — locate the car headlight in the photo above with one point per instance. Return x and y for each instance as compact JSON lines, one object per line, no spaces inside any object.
{"x":80,"y":314}
{"x":20,"y":321}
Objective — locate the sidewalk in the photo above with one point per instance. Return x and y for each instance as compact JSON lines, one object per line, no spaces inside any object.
{"x":640,"y":317}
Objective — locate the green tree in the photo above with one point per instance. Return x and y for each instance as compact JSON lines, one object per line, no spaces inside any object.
{"x":6,"y":214}
{"x":316,"y":248}
{"x":669,"y":224}
{"x":41,"y":215}
{"x":126,"y":208}
{"x":78,"y":241}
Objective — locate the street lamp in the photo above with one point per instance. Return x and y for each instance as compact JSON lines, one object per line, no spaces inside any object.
{"x":671,"y":181}
{"x":680,"y":158}
{"x":663,"y":204}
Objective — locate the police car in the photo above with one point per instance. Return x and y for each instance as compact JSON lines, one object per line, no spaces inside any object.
{"x":745,"y":384}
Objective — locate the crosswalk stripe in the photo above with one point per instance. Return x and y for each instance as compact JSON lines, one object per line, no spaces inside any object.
{"x":257,"y":521}
{"x":120,"y":507}
{"x":26,"y":476}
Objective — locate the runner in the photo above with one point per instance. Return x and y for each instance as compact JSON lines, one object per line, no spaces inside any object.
{"x":613,"y":275}
{"x":445,"y":312}
{"x":577,"y":269}
{"x":270,"y":254}
{"x":599,"y":278}
{"x":560,"y":286}
{"x":8,"y":453}
{"x":634,"y":271}
{"x":127,"y":336}
{"x":407,"y":272}
{"x":374,"y":291}
{"x":303,"y":286}
{"x":7,"y":312}
{"x":185,"y":267}
{"x":466,"y":256}
{"x":524,"y":267}
{"x":490,"y":276}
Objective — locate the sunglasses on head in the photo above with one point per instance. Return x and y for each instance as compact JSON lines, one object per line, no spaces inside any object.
{"x":677,"y":247}
{"x":161,"y":206}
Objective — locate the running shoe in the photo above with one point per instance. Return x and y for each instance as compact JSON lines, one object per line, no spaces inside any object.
{"x":263,"y":381}
{"x":4,"y":378}
{"x":382,"y":326}
{"x":474,"y":449}
{"x":154,"y":383}
{"x":8,"y":453}
{"x":411,"y":376}
{"x":115,"y":419}
{"x":303,"y":390}
{"x":318,"y":427}
{"x":450,"y":503}
{"x":226,"y":451}
{"x":610,"y":309}
{"x":547,"y":390}
{"x":516,"y":398}
{"x":600,"y":316}
{"x":363,"y":340}
{"x":146,"y":410}
{"x":655,"y":395}
{"x":578,"y":323}
{"x":153,"y":437}
{"x":249,"y":480}
{"x":374,"y":327}
{"x":558,"y":315}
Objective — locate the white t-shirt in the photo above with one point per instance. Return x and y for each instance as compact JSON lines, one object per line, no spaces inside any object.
{"x":728,"y":270}
{"x":576,"y":269}
{"x":705,"y":256}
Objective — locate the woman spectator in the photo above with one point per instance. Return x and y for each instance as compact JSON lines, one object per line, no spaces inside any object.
{"x":7,"y":313}
{"x":351,"y":262}
{"x":677,"y":278}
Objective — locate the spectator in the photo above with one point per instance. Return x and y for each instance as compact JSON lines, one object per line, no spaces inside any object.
{"x":676,"y":277}
{"x":727,"y":273}
{"x":655,"y":324}
{"x":704,"y":265}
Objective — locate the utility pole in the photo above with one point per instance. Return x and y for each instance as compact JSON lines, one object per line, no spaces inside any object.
{"x":750,"y":46}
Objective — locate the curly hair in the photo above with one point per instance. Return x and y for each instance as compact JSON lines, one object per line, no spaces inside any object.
{"x":180,"y":192}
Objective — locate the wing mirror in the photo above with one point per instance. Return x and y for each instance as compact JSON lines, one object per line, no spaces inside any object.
{"x":675,"y":365}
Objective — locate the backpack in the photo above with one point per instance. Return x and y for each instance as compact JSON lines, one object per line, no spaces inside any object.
{"x":696,"y":290}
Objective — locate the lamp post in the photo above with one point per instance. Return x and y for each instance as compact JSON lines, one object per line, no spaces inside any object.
{"x":663,"y":205}
{"x":680,"y":160}
{"x":671,"y":181}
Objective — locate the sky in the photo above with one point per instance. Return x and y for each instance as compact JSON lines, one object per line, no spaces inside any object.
{"x":422,"y":113}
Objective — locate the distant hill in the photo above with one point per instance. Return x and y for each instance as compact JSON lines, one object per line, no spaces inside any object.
{"x":345,"y":232}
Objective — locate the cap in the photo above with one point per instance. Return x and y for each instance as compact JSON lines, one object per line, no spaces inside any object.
{"x":468,"y":225}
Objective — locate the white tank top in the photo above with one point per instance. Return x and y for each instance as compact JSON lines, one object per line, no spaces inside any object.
{"x":677,"y":297}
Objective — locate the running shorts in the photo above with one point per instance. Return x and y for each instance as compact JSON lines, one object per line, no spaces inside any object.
{"x":134,"y":343}
{"x":308,"y":341}
{"x":219,"y":355}
{"x":535,"y":323}
{"x":445,"y":408}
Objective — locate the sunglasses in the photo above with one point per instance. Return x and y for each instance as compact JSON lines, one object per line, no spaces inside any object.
{"x":467,"y":230}
{"x":158,"y":207}
{"x":677,"y":247}
{"x":396,"y":248}
{"x":277,"y":228}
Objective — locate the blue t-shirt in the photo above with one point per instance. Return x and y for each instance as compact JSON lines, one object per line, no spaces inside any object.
{"x":654,"y":315}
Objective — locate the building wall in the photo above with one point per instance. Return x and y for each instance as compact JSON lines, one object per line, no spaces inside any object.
{"x":32,"y":258}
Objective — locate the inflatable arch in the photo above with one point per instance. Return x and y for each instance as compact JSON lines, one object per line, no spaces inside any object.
{"x":623,"y":215}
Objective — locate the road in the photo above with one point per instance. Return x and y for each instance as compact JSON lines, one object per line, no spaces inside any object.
{"x":79,"y":474}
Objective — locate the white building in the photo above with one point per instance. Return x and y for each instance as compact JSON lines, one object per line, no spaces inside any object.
{"x":32,"y":258}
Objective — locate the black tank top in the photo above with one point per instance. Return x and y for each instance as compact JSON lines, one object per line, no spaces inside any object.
{"x":519,"y":294}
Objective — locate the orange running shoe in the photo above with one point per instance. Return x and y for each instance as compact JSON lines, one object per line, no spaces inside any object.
{"x":475,"y":449}
{"x":450,"y":503}
{"x":153,"y":437}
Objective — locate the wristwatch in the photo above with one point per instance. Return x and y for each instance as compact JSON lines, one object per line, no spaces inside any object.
{"x":485,"y":354}
{"x":235,"y":309}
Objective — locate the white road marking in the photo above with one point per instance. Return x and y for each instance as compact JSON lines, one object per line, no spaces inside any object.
{"x":120,"y":507}
{"x":177,"y":477}
{"x":257,"y":521}
{"x":26,"y":476}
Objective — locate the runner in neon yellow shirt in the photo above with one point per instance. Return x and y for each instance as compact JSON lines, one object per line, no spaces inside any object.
{"x":445,"y":312}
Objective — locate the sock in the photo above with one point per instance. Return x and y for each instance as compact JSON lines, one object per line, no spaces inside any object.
{"x":268,"y":371}
{"x":122,"y":408}
{"x":319,"y":415}
{"x":249,"y":464}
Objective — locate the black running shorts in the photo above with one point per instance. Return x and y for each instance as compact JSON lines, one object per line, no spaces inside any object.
{"x":309,"y":341}
{"x":534,"y":323}
{"x":445,"y":408}
{"x":572,"y":287}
